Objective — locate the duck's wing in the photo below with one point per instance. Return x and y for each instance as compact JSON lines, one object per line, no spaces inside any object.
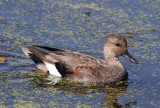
{"x":63,"y":62}
{"x":68,"y":53}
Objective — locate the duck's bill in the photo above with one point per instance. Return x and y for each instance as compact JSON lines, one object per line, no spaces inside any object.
{"x":128,"y":56}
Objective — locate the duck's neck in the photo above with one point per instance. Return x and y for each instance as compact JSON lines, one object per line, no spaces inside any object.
{"x":113,"y":60}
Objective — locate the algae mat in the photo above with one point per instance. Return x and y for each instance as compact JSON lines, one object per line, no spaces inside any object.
{"x":80,"y":26}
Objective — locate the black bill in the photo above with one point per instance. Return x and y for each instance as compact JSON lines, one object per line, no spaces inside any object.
{"x":128,"y":56}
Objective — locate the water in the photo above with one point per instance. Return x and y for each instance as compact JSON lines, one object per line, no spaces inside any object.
{"x":79,"y":26}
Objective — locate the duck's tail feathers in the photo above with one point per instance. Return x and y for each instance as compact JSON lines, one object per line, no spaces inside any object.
{"x":42,"y":63}
{"x":39,"y":63}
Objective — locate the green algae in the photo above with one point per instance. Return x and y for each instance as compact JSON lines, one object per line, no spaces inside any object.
{"x":80,"y":26}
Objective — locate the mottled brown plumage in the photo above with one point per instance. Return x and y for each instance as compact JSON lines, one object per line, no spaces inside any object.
{"x":81,"y":67}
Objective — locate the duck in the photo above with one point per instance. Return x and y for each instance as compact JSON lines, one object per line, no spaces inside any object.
{"x":81,"y":67}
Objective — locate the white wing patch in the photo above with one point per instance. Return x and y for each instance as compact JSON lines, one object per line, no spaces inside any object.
{"x":52,"y":69}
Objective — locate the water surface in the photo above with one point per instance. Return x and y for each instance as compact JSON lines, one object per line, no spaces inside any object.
{"x":80,"y":26}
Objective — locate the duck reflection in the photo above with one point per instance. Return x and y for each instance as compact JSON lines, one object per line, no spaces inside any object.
{"x":110,"y":99}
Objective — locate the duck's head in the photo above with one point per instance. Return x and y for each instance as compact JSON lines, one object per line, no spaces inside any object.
{"x":115,"y":46}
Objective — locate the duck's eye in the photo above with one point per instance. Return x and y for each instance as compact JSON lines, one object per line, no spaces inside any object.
{"x":117,"y":44}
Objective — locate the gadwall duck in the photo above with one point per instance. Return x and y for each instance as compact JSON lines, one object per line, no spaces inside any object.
{"x":81,"y":67}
